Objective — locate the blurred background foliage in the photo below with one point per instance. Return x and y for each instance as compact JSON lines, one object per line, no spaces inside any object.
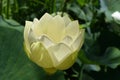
{"x":99,"y":58}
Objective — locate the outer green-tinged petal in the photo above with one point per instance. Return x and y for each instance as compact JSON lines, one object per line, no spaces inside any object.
{"x":68,"y":62}
{"x":72,"y":29}
{"x":26,"y":50}
{"x":50,"y":70}
{"x":26,"y":33}
{"x":59,"y":53}
{"x":31,"y":37}
{"x":40,"y":55}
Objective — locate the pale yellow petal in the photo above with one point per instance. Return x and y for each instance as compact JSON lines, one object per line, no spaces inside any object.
{"x":31,"y":37}
{"x":41,"y":25}
{"x":35,"y":23}
{"x":72,"y":29}
{"x":67,"y":20}
{"x":59,"y":53}
{"x":67,"y":40}
{"x":35,"y":20}
{"x":68,"y":62}
{"x":45,"y":40}
{"x":26,"y":33}
{"x":50,"y":70}
{"x":77,"y":44}
{"x":56,"y":29}
{"x":40,"y":55}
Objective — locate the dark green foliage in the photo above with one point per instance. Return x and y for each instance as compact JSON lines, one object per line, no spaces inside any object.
{"x":99,"y":58}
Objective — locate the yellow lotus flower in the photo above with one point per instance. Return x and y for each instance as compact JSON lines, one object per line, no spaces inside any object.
{"x":53,"y":42}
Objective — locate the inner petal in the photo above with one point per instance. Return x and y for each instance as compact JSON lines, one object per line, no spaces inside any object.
{"x":67,"y":20}
{"x":46,"y":41}
{"x":72,"y":29}
{"x":40,"y":26}
{"x":67,"y":40}
{"x":56,"y":29}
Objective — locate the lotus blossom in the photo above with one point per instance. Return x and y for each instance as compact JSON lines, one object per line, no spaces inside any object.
{"x":116,"y":15}
{"x":53,"y":42}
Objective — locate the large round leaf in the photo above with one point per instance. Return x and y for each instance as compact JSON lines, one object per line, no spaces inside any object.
{"x":14,"y":64}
